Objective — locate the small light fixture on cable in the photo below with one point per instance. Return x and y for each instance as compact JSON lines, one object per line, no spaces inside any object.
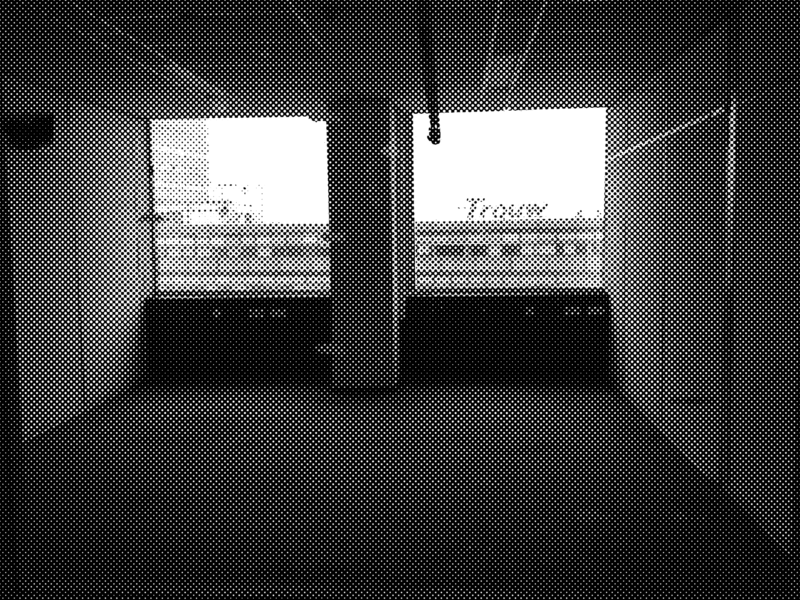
{"x":434,"y":133}
{"x":429,"y":72}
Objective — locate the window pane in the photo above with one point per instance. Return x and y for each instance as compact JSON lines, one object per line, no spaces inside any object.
{"x":242,"y":205}
{"x":510,"y":199}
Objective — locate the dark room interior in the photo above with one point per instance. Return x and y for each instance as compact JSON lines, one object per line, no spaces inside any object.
{"x":418,"y":412}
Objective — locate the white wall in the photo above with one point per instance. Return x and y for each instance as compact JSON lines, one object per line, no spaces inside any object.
{"x":117,"y":264}
{"x":677,"y":339}
{"x":763,"y":225}
{"x":665,"y":214}
{"x":80,"y":258}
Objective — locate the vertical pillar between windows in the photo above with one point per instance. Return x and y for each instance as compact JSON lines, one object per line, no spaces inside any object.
{"x":370,"y":185}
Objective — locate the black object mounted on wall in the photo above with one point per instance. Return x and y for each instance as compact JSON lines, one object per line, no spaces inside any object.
{"x":29,"y":131}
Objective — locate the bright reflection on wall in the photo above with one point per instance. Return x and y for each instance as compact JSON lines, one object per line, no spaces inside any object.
{"x":511,"y":166}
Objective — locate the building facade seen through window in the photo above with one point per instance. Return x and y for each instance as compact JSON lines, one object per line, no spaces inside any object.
{"x":509,"y":200}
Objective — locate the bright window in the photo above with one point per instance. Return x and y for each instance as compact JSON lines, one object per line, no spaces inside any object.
{"x":242,"y":205}
{"x":510,"y":199}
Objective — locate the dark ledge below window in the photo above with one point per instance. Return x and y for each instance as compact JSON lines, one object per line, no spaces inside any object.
{"x":462,"y":335}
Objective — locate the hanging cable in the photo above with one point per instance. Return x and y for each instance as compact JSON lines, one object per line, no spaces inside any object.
{"x":428,"y":71}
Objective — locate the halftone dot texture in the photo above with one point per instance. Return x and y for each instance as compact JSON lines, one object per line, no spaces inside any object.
{"x":334,"y":435}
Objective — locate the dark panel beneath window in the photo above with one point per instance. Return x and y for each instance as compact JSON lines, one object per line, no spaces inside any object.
{"x":250,"y":338}
{"x":558,"y":336}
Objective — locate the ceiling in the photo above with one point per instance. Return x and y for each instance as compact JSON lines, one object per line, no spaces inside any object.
{"x":255,"y":58}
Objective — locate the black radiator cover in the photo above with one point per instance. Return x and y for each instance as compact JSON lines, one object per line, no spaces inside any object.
{"x":547,"y":336}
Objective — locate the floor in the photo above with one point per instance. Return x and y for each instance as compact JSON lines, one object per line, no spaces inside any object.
{"x":224,"y":490}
